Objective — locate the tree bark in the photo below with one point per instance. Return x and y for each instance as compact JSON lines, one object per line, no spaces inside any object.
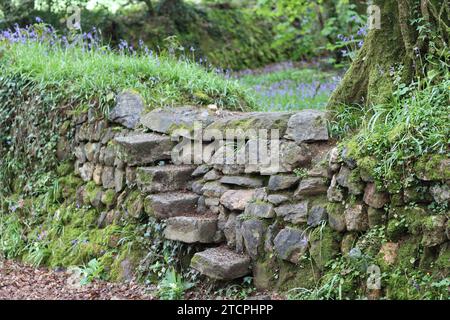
{"x":397,"y":43}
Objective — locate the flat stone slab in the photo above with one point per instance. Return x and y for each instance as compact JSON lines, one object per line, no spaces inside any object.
{"x":171,"y":204}
{"x":308,"y":126}
{"x":191,"y":229}
{"x":221,"y":264}
{"x":242,"y":181}
{"x":167,"y":120}
{"x":163,"y":178}
{"x":145,"y":148}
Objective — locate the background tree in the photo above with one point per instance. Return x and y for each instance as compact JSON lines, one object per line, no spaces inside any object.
{"x":412,"y":42}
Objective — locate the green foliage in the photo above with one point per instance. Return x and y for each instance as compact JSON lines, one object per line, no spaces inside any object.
{"x":172,"y":286}
{"x":91,"y":271}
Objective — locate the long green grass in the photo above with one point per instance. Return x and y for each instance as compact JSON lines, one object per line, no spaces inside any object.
{"x":93,"y":77}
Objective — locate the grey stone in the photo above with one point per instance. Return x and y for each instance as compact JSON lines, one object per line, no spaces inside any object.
{"x":97,"y":174}
{"x":167,"y":120}
{"x":108,"y":178}
{"x":356,"y":218}
{"x":198,"y":229}
{"x":260,"y":194}
{"x":80,"y":154}
{"x":197,"y":187}
{"x":334,"y":192}
{"x":295,"y":213}
{"x":171,"y":204}
{"x":128,"y":110}
{"x":92,"y":151}
{"x":317,"y":215}
{"x":163,"y":178}
{"x":214,"y":189}
{"x":374,"y":198}
{"x":119,"y":180}
{"x":434,"y":231}
{"x":253,"y":234}
{"x":212,"y":175}
{"x":271,"y":233}
{"x":260,"y":210}
{"x":348,"y":160}
{"x":212,"y":202}
{"x":86,"y":171}
{"x":130,"y":176}
{"x":145,"y":148}
{"x":336,"y":219}
{"x":236,"y":199}
{"x":201,"y":170}
{"x":109,"y":155}
{"x":278,"y":199}
{"x":221,"y":264}
{"x":350,"y":180}
{"x":242,"y":181}
{"x":282,"y":182}
{"x":290,"y":244}
{"x":311,"y":187}
{"x":229,"y":230}
{"x":308,"y":126}
{"x":440,"y":193}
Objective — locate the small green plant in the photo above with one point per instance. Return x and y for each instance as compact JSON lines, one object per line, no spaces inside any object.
{"x":93,"y":270}
{"x":173,"y":286}
{"x":301,"y":172}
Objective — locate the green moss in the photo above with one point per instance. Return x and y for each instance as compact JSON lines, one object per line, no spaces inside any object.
{"x":108,"y":197}
{"x":367,"y":167}
{"x":134,"y":204}
{"x":408,"y":253}
{"x":433,"y":167}
{"x":324,"y":245}
{"x":64,"y":169}
{"x":396,"y":229}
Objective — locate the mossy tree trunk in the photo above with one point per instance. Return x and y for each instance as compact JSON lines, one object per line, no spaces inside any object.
{"x":399,"y":44}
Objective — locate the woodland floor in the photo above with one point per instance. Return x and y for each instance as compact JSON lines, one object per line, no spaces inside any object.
{"x":21,"y":282}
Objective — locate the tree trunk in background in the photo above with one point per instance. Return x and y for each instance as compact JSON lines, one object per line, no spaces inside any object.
{"x":397,"y":43}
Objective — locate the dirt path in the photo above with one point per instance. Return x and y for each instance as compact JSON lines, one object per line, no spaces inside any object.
{"x":21,"y":282}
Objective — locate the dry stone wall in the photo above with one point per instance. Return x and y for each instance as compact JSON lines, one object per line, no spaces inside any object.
{"x":249,"y":217}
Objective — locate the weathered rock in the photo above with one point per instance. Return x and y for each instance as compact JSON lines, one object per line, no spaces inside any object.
{"x":350,"y":180}
{"x":80,"y":154}
{"x":271,"y":233}
{"x":433,"y":167}
{"x":348,"y":242}
{"x":434,"y":229}
{"x":389,"y":252}
{"x":260,"y":194}
{"x":324,"y":246}
{"x":229,"y":230}
{"x":221,"y":263}
{"x":290,"y":244}
{"x":282,"y":182}
{"x":197,"y":187}
{"x":212,"y":202}
{"x":128,"y":109}
{"x":348,"y":159}
{"x":252,"y":122}
{"x":376,"y":217}
{"x":236,"y":199}
{"x":374,"y":198}
{"x":334,"y":193}
{"x":109,"y":156}
{"x":277,"y":199}
{"x":308,"y":126}
{"x":63,"y":149}
{"x":172,"y":204}
{"x":197,"y":229}
{"x":317,"y":215}
{"x":212,"y":175}
{"x":130,"y":176}
{"x":108,"y":178}
{"x":97,"y":174}
{"x":356,"y":218}
{"x":91,"y":151}
{"x":336,"y":217}
{"x":293,"y":156}
{"x":179,"y":120}
{"x":253,"y":233}
{"x":260,"y":210}
{"x":119,"y":180}
{"x":134,"y":205}
{"x":214,"y":189}
{"x":163,"y":178}
{"x":201,"y":170}
{"x":311,"y":187}
{"x":419,"y":194}
{"x":86,"y":171}
{"x":242,"y":181}
{"x":440,"y":193}
{"x":295,"y":213}
{"x":145,"y":148}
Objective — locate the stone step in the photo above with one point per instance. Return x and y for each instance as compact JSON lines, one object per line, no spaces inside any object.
{"x":170,"y":204}
{"x":192,"y":229}
{"x":221,"y":263}
{"x":163,"y":178}
{"x":144,"y":148}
